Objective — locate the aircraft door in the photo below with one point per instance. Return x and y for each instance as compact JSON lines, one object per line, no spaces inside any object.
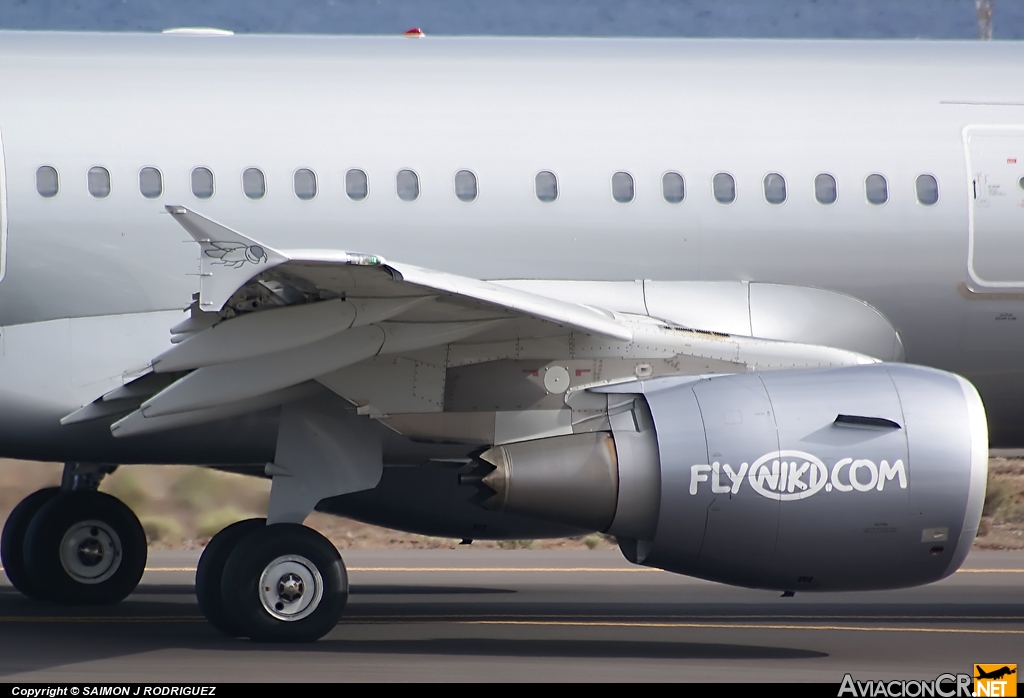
{"x":3,"y":210}
{"x":995,"y":161}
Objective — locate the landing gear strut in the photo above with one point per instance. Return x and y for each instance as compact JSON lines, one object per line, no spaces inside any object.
{"x":74,"y":545}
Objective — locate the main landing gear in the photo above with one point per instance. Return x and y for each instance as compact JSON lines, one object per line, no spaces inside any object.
{"x":278,"y":583}
{"x":273,"y":579}
{"x":73,"y":544}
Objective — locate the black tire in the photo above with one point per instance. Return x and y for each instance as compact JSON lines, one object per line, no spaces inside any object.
{"x":12,"y":541}
{"x":105,"y":549}
{"x":267,"y":551}
{"x":210,"y":571}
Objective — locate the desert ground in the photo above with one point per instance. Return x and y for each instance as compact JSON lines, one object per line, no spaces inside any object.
{"x":182,"y":507}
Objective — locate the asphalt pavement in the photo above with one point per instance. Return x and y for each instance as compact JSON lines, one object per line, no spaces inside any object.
{"x":503,"y":615}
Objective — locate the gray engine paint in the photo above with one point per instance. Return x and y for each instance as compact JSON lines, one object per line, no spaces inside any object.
{"x":831,"y":539}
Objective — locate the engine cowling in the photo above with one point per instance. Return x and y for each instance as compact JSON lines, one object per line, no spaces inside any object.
{"x":865,"y":477}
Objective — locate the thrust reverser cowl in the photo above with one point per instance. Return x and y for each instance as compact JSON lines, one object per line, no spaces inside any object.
{"x":866,"y":477}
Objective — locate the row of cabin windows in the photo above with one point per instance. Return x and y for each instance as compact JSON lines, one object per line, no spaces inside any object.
{"x":407,"y":186}
{"x":254,"y":183}
{"x":826,"y":191}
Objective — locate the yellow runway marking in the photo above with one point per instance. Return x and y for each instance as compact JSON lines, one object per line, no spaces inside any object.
{"x":101,"y":619}
{"x":540,"y":623}
{"x":671,"y":617}
{"x":542,"y":619}
{"x":986,"y":570}
{"x":742,"y":626}
{"x":503,"y":569}
{"x":992,"y":570}
{"x":456,"y":569}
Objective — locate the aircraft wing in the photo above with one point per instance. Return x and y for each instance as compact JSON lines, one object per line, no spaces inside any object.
{"x":229,"y":260}
{"x":270,"y":326}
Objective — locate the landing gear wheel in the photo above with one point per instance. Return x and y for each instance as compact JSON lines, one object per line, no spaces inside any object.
{"x":210,"y":571}
{"x":85,"y":547}
{"x":284,"y":583}
{"x":12,"y":542}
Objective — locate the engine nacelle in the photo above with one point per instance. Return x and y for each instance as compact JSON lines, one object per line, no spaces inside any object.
{"x":866,"y":477}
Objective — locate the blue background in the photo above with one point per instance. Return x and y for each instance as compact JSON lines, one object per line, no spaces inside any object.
{"x":935,"y":19}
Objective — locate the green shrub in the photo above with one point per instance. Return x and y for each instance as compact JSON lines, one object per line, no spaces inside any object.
{"x":210,"y":522}
{"x":126,"y":485}
{"x":517,"y":544}
{"x":162,"y":529}
{"x":1011,"y":511}
{"x":999,"y":491}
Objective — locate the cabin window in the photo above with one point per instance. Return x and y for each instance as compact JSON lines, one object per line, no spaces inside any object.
{"x":927,"y":190}
{"x":774,"y":188}
{"x":672,"y":187}
{"x":99,"y":182}
{"x":202,"y":183}
{"x":825,"y":190}
{"x":546,"y":186}
{"x":305,"y":184}
{"x":724,"y":187}
{"x":1020,"y":182}
{"x":876,"y":189}
{"x":151,"y":182}
{"x":254,"y":183}
{"x":465,"y":186}
{"x":355,"y":185}
{"x":47,"y":181}
{"x":622,"y":187}
{"x":407,"y":183}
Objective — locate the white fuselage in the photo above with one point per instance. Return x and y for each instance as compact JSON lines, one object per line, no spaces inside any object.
{"x":504,"y":109}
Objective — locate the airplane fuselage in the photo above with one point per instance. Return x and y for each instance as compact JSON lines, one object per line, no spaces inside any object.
{"x":504,"y":110}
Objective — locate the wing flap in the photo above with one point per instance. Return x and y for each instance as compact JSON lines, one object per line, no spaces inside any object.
{"x":267,"y":321}
{"x":136,"y":424}
{"x":257,"y":334}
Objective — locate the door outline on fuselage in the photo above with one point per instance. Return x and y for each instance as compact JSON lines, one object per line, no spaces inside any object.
{"x":3,"y":208}
{"x":975,"y":281}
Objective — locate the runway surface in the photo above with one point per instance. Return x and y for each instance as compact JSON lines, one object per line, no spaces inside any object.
{"x":496,"y":615}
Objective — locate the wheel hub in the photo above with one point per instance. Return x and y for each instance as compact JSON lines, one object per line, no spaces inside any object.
{"x":90,"y":552}
{"x":291,"y":588}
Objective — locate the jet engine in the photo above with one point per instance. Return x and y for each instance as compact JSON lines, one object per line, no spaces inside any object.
{"x":866,"y":477}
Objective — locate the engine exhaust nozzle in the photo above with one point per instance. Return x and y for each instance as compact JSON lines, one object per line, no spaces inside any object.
{"x":570,"y":479}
